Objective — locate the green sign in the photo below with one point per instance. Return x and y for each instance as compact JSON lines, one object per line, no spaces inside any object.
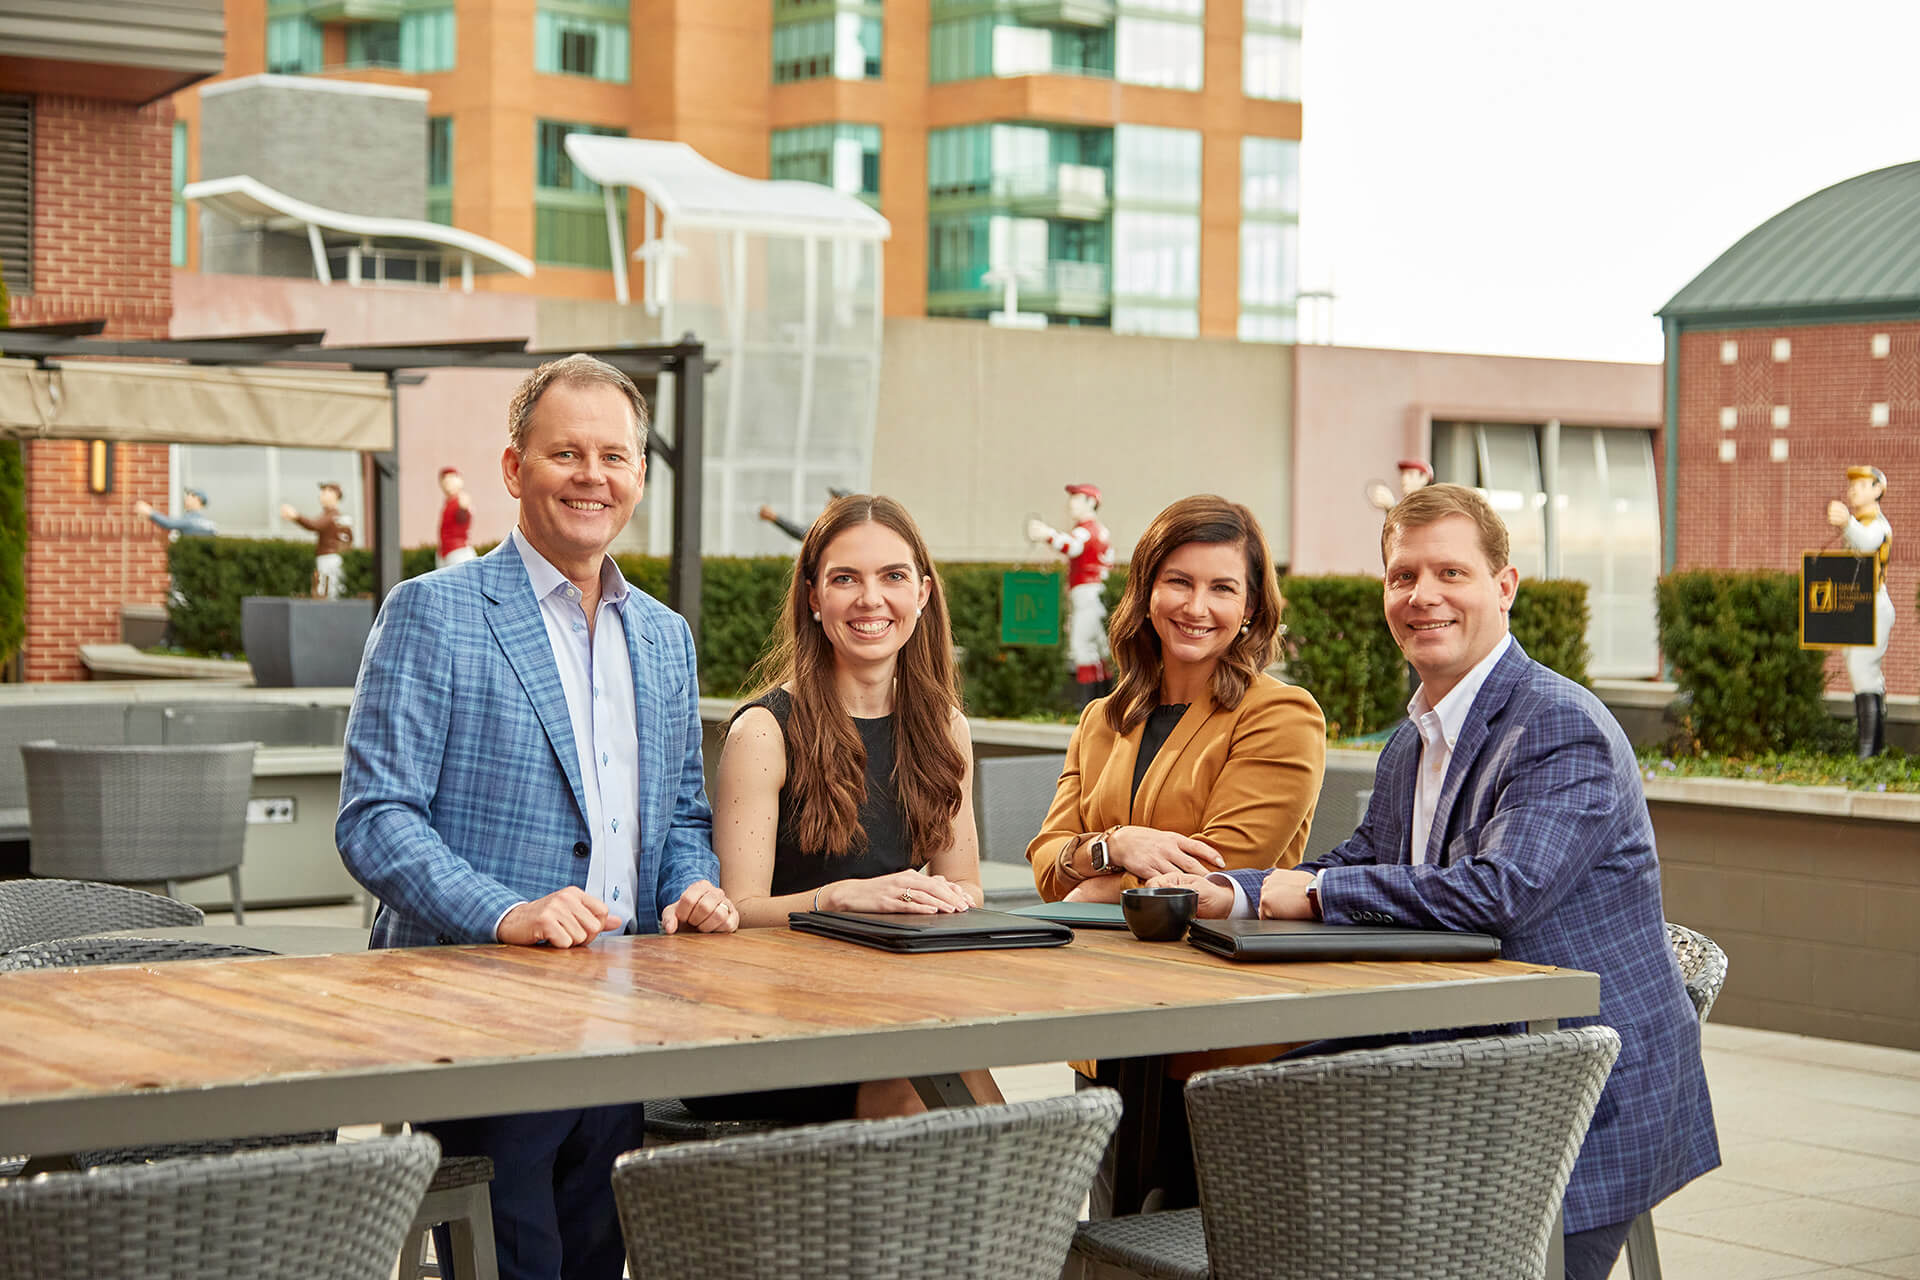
{"x":1029,"y":608}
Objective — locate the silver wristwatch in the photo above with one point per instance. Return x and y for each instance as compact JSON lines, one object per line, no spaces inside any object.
{"x":1100,"y":855}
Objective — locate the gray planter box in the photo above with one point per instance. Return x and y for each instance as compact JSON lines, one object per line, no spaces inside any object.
{"x":295,"y":643}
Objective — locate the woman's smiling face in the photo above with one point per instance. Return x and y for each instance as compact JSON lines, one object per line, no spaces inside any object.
{"x":1198,"y":603}
{"x":868,"y":593}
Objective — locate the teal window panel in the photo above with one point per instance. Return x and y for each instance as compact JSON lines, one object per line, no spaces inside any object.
{"x":568,"y":43}
{"x":569,"y":214}
{"x":1269,"y":177}
{"x":293,"y":46}
{"x":179,"y":205}
{"x":428,"y":40}
{"x":1164,"y":52}
{"x":845,"y":157}
{"x":843,"y":45}
{"x":440,"y":169}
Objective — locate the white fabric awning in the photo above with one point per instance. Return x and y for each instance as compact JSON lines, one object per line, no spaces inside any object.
{"x":190,"y":404}
{"x":252,"y":203}
{"x":692,"y":191}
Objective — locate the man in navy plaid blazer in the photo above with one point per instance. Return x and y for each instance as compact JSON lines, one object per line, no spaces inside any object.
{"x":523,"y":766}
{"x":1510,"y":803}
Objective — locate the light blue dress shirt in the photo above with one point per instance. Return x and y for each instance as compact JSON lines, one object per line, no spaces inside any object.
{"x":596,"y":673}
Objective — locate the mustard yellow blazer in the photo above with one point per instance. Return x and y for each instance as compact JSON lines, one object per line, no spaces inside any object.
{"x":1245,"y":781}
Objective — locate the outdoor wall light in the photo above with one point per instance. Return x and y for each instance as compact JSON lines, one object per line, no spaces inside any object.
{"x":99,"y":466}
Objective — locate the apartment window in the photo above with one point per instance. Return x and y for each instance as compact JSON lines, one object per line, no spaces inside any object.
{"x":293,"y":45}
{"x":845,"y":157}
{"x":418,"y":42}
{"x":844,"y":46}
{"x":1155,"y":166}
{"x":1165,"y":52}
{"x":247,"y":483}
{"x":1270,"y":176}
{"x":1156,"y":231}
{"x":569,"y":214}
{"x":1270,"y":50}
{"x":582,"y":44}
{"x":1269,"y":239}
{"x":16,"y":193}
{"x":179,"y":181}
{"x":440,"y":169}
{"x":373,"y":44}
{"x":1269,"y":254}
{"x":1578,"y":502}
{"x":994,"y":45}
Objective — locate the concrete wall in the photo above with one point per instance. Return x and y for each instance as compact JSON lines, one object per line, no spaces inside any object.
{"x":979,"y":426}
{"x":1357,"y":411}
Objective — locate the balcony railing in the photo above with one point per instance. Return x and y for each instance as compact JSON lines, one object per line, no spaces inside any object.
{"x":1060,"y":287}
{"x":1065,"y":13}
{"x":1057,"y":191}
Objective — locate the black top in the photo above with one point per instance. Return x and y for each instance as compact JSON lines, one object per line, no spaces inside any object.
{"x":1160,"y":725}
{"x":881,"y":815}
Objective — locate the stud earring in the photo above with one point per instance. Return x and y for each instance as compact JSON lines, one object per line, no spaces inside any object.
{"x":1246,"y":626}
{"x":816,"y":615}
{"x":918,"y":612}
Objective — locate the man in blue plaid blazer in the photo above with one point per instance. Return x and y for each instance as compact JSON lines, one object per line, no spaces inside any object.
{"x":1510,"y":803}
{"x":523,"y":766}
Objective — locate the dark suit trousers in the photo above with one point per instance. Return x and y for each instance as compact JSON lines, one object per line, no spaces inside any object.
{"x":552,"y":1198}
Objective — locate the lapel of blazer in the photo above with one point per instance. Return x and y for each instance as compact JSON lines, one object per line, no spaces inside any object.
{"x":1487,"y":704}
{"x":520,"y":631}
{"x":1162,"y":767}
{"x":653,"y":753}
{"x":1399,"y":769}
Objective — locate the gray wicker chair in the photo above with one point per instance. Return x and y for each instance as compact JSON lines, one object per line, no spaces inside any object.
{"x":139,"y":815}
{"x":339,"y":1211}
{"x":1703,"y":967}
{"x":42,"y":910}
{"x":1357,"y":1164}
{"x":988,"y":1192}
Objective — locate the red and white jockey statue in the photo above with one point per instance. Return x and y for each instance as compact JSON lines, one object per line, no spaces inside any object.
{"x":1088,"y":548}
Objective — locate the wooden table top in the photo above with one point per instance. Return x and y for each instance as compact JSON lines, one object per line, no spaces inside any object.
{"x":162,"y":1052}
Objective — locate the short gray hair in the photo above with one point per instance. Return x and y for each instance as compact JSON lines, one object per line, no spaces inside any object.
{"x":576,"y":370}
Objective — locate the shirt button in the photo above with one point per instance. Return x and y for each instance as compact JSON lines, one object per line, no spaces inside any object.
{"x":616,"y":824}
{"x":603,"y":758}
{"x":581,"y":849}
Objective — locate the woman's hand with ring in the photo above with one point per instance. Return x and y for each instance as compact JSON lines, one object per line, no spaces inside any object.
{"x":1148,"y":852}
{"x":906,"y":892}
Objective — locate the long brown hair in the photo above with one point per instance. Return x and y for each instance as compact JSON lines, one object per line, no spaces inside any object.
{"x":1204,"y":517}
{"x":826,"y":762}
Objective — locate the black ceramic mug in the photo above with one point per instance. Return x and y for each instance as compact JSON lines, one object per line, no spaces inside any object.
{"x":1159,"y":915}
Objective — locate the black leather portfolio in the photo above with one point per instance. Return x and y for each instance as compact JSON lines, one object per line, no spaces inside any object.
{"x":1316,"y":940}
{"x":976,"y":930}
{"x":1079,"y":915}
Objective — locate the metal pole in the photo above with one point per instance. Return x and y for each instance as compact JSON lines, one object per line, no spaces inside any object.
{"x":689,"y":409}
{"x":386,"y":502}
{"x":1670,"y":482}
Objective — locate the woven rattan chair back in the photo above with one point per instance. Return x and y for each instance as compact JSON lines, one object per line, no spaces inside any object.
{"x":1703,"y":966}
{"x":1420,"y":1162}
{"x":138,"y":815}
{"x":337,"y":1211}
{"x":41,"y":910}
{"x":970,"y":1193}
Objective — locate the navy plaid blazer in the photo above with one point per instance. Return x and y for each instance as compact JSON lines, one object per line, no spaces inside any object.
{"x":461,"y":794}
{"x":1541,"y":838}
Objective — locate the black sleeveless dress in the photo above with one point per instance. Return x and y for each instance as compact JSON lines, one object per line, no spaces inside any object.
{"x":794,"y":871}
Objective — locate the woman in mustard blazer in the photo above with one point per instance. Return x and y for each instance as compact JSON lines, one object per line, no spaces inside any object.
{"x":1197,"y":761}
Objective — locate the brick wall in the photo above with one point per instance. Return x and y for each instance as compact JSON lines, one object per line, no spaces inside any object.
{"x":1829,"y":402}
{"x":101,"y":240}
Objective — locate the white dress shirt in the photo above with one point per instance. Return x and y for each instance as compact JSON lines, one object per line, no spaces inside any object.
{"x":596,"y":674}
{"x":1439,"y":729}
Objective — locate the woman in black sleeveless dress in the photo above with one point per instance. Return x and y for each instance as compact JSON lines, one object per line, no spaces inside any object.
{"x":846,"y":783}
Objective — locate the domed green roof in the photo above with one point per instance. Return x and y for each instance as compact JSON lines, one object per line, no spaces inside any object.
{"x":1853,"y":248}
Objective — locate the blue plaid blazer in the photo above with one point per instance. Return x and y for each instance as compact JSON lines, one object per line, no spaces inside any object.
{"x":461,"y":791}
{"x":1541,"y":837}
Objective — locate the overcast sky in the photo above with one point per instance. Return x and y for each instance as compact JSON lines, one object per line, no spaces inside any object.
{"x":1536,"y":177}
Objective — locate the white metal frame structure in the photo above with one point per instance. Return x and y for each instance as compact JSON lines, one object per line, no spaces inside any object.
{"x":782,"y":281}
{"x":253,"y":204}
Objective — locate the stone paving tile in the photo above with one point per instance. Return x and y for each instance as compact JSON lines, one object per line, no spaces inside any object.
{"x":1902,"y":1198}
{"x":1825,"y":1231}
{"x":1808,"y":1049}
{"x":1686,"y":1257}
{"x":1907,"y":1268}
{"x":1802,"y":1168}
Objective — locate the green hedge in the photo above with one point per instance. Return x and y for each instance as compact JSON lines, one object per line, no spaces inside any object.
{"x":1549,"y":619}
{"x":1733,"y":639}
{"x":1339,"y":649}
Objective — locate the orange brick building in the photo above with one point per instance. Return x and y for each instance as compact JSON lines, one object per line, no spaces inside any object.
{"x":1129,"y":163}
{"x":1795,"y":355}
{"x":86,"y":125}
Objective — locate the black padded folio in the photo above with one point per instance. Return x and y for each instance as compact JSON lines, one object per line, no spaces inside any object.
{"x":1317,"y":940}
{"x":976,"y":930}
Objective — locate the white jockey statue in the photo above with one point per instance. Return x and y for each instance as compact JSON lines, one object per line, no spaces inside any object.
{"x":1863,"y":528}
{"x":1089,"y":551}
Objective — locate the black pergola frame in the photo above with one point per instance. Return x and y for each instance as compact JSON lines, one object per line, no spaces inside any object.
{"x":685,"y":453}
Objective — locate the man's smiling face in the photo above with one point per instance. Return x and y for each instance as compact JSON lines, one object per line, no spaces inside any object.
{"x":578,"y":476}
{"x":1445,"y":604}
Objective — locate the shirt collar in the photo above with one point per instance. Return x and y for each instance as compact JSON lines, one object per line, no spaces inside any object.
{"x":546,"y":579}
{"x":1459,"y":700}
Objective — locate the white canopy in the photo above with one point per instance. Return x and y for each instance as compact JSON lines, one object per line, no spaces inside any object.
{"x":694,"y":193}
{"x":254,"y":204}
{"x":190,"y":404}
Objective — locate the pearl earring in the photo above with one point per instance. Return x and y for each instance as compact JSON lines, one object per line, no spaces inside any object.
{"x":1245,"y":626}
{"x":816,"y":615}
{"x":918,"y":612}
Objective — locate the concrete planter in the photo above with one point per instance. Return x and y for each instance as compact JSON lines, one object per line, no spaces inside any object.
{"x":295,"y":643}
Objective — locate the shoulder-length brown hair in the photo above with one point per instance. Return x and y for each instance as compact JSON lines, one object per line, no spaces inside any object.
{"x":826,"y":762}
{"x":1204,"y":517}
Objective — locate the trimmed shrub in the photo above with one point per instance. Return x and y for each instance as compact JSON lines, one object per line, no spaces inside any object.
{"x":1549,"y":619}
{"x":1734,"y":641}
{"x":212,"y":575}
{"x":1338,"y":648}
